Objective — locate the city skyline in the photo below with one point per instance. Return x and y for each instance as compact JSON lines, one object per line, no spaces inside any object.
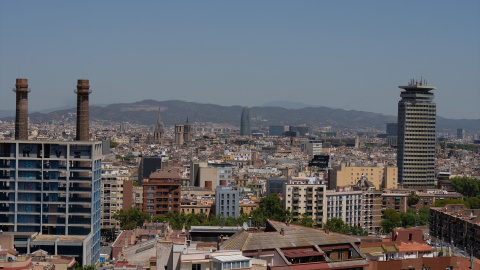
{"x":321,"y":54}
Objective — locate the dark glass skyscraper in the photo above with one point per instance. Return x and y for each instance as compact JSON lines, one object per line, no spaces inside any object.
{"x":416,"y":135}
{"x":245,"y":122}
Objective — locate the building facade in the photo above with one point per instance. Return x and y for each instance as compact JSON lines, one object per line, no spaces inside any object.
{"x":162,"y":192}
{"x":416,"y":135}
{"x":347,"y":175}
{"x":312,"y":147}
{"x":372,"y":210}
{"x":245,"y":129}
{"x":53,"y":188}
{"x":306,"y":196}
{"x":458,"y":226}
{"x":116,"y":194}
{"x":345,"y":205}
{"x":227,"y":202}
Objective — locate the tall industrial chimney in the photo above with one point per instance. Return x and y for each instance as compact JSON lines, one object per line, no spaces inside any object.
{"x":21,"y":114}
{"x":83,"y":90}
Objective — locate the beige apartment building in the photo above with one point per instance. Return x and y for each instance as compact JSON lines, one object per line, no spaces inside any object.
{"x":116,"y":194}
{"x":390,"y":177}
{"x":380,"y":176}
{"x":372,"y":210}
{"x":306,"y":196}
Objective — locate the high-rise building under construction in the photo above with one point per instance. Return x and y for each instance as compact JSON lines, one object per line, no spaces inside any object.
{"x":416,"y":135}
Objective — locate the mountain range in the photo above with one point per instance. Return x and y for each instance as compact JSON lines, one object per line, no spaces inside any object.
{"x":176,"y":112}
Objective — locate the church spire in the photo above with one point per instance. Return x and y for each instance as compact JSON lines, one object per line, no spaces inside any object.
{"x":159,"y":133}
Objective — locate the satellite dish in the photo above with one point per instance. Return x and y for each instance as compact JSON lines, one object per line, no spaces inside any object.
{"x":245,"y":226}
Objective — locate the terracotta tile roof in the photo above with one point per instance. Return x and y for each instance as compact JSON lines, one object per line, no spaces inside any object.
{"x":414,"y":246}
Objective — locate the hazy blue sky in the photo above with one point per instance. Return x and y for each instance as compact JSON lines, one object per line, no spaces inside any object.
{"x":344,"y":54}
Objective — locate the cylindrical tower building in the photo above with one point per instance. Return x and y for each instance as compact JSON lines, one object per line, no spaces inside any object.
{"x":83,"y":128}
{"x":245,"y":122}
{"x":21,"y":114}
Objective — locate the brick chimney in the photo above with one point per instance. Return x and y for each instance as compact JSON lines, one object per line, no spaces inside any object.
{"x":21,"y":114}
{"x":83,"y":128}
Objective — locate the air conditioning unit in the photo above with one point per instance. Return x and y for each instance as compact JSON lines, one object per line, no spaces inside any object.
{"x":208,"y":256}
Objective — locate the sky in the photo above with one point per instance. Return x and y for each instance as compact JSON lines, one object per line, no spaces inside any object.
{"x":342,"y":54}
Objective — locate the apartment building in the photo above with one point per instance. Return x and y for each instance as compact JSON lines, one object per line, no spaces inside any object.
{"x":227,"y":201}
{"x":53,"y":188}
{"x":346,"y":175}
{"x":346,"y":204}
{"x":116,"y":194}
{"x":306,"y":196}
{"x":380,"y":176}
{"x":372,"y":210}
{"x":397,"y":199}
{"x":162,"y":191}
{"x":458,"y":226}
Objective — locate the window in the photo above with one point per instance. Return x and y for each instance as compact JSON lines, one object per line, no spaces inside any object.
{"x":196,"y":266}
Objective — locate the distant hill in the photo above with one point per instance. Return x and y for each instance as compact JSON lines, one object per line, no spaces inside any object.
{"x":287,"y":104}
{"x":176,"y":112}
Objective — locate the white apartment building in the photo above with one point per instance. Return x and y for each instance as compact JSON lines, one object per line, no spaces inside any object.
{"x":346,"y":205}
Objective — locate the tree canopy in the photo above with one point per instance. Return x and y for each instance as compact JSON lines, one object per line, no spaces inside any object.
{"x":131,"y":218}
{"x":177,"y":220}
{"x":412,"y":199}
{"x":305,"y":221}
{"x":442,"y":203}
{"x":113,"y":144}
{"x":391,"y":220}
{"x":270,"y":208}
{"x":339,"y":226}
{"x":469,"y":187}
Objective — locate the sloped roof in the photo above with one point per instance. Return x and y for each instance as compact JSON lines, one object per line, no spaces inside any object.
{"x":414,"y":246}
{"x":374,"y":251}
{"x":293,"y":236}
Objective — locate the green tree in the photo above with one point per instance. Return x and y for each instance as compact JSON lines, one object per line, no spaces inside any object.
{"x":412,"y":199}
{"x":473,"y":202}
{"x":392,"y":215}
{"x":305,"y":221}
{"x":423,"y":215}
{"x":131,"y":218}
{"x":442,"y":203}
{"x":113,"y":144}
{"x":408,"y":219}
{"x":388,"y":225}
{"x":469,"y":187}
{"x":357,"y":230}
{"x":270,"y":208}
{"x":85,"y":267}
{"x":337,"y":225}
{"x":411,"y":210}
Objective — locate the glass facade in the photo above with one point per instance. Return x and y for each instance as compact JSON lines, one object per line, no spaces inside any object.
{"x":52,"y":188}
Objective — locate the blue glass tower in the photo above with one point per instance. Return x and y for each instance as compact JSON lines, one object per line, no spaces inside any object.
{"x":245,"y":129}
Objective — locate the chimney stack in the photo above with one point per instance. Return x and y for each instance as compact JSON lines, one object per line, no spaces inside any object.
{"x":83,"y":90}
{"x":21,"y":114}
